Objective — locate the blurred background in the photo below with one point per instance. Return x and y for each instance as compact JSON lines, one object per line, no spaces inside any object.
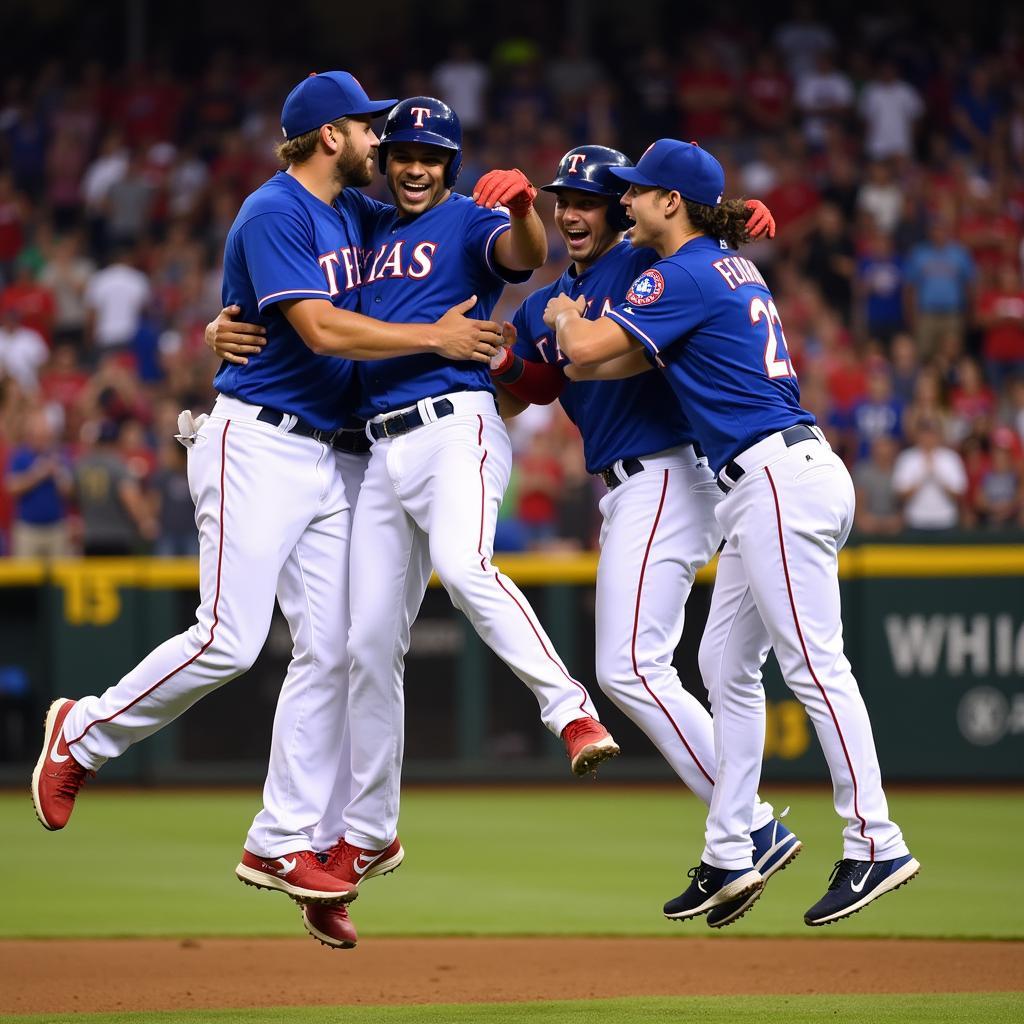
{"x":889,"y":145}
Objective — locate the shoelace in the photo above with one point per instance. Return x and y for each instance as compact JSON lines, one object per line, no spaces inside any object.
{"x":573,"y":729}
{"x":842,"y":872}
{"x":72,"y":779}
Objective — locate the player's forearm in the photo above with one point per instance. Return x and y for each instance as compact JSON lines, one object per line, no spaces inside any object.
{"x":588,"y":343}
{"x":329,"y":331}
{"x":618,"y":368}
{"x":526,"y":245}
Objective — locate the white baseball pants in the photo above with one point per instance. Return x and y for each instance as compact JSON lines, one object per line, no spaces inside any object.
{"x":778,"y":586}
{"x":659,"y":528}
{"x":274,"y":519}
{"x":431,"y":496}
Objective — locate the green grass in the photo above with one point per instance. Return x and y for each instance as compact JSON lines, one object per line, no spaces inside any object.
{"x":981,"y":1008}
{"x":590,"y":859}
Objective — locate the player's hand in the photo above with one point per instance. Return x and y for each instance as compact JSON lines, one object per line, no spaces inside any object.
{"x":462,"y":338}
{"x":760,"y":222}
{"x":233,"y":339}
{"x":511,"y":189}
{"x":562,"y":304}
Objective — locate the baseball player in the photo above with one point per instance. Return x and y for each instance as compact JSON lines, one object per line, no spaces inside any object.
{"x":703,"y":315}
{"x":659,"y":523}
{"x":267,"y":473}
{"x":438,"y":469}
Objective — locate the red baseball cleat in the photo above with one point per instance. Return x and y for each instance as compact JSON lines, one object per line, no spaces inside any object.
{"x":330,"y":925}
{"x":588,"y":743}
{"x":351,"y":865}
{"x":57,"y":776}
{"x":300,"y":874}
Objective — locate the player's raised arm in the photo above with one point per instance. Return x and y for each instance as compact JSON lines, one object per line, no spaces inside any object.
{"x":330,"y":331}
{"x":525,"y":245}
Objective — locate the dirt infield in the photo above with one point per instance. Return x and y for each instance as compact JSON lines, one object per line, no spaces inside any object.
{"x":120,"y":975}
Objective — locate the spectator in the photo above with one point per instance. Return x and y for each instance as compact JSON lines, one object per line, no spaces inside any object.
{"x":14,"y":211}
{"x":975,"y":113}
{"x":879,"y":288}
{"x":116,"y":517}
{"x":767,"y":93}
{"x":66,"y":275}
{"x":970,"y":400}
{"x":571,"y":74}
{"x":905,"y":367}
{"x":540,"y":484}
{"x":803,"y":38}
{"x":991,"y":235}
{"x":651,"y":79}
{"x":793,"y":201}
{"x":32,"y":300}
{"x":890,"y":108}
{"x":824,"y":97}
{"x":927,"y":405}
{"x":878,"y":415}
{"x":1014,"y":411}
{"x":116,"y":298}
{"x":178,"y":535}
{"x":881,"y":198}
{"x":39,"y":480}
{"x":705,"y":94}
{"x":23,"y":351}
{"x":929,"y":480}
{"x":129,"y":203}
{"x":1001,"y":318}
{"x":878,"y":507}
{"x":461,"y":81}
{"x":940,"y":276}
{"x":829,"y":259}
{"x":999,"y":500}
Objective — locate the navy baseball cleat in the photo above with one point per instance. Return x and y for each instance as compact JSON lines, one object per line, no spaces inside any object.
{"x":775,"y":848}
{"x":710,"y":888}
{"x":853,"y":884}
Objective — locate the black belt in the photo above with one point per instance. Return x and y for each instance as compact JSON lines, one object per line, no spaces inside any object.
{"x":353,"y":441}
{"x":630,"y":467}
{"x":403,"y":422}
{"x":791,"y":435}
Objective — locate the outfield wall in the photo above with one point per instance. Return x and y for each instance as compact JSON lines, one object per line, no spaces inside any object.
{"x":935,"y":634}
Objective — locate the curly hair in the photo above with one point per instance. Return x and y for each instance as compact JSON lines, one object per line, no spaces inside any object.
{"x":302,"y":147}
{"x":727,"y":221}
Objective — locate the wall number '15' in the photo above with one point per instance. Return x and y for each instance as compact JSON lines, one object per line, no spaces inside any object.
{"x":776,"y":356}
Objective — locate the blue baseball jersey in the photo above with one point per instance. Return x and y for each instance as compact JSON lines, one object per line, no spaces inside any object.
{"x":415,"y":270}
{"x":617,"y":419}
{"x":285,"y":244}
{"x":707,"y":318}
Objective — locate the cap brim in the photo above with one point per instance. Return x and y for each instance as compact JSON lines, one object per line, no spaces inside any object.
{"x":374,"y":107}
{"x":633,"y":176}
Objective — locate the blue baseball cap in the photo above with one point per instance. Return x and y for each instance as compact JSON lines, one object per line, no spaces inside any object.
{"x":322,"y":98}
{"x":681,"y":167}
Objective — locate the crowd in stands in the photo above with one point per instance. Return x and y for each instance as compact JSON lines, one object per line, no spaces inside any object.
{"x":892,"y":159}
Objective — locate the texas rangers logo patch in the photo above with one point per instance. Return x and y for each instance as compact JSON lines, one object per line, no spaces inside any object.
{"x":647,"y":288}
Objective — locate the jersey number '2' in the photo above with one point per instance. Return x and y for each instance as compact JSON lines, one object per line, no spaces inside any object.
{"x":774,"y":366}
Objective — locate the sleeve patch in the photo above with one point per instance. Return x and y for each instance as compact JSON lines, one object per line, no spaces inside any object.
{"x":647,"y":288}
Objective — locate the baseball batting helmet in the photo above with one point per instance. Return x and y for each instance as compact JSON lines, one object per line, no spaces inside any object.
{"x":588,"y":169}
{"x":427,"y":120}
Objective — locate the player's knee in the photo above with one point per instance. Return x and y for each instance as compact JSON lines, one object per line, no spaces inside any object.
{"x":459,"y":574}
{"x":231,"y":655}
{"x":709,"y":661}
{"x":614,"y":676}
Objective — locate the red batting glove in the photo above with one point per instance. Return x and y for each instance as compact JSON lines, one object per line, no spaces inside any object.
{"x":508,"y":188}
{"x":760,"y":222}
